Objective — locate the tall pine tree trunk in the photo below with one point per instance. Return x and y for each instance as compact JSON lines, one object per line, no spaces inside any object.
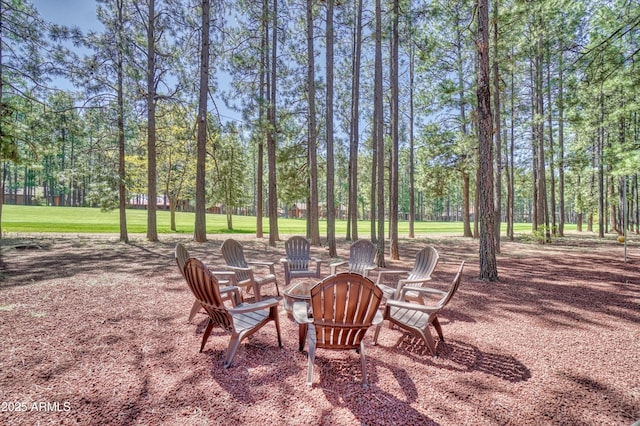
{"x":412,"y":178}
{"x":271,"y":141}
{"x":331,"y":219}
{"x":488,"y":264}
{"x":312,"y":150}
{"x":601,"y":188}
{"x":497,"y":133}
{"x":552,"y":172}
{"x":393,"y":205}
{"x":263,"y":126}
{"x":354,"y":136}
{"x":200,"y":231}
{"x":152,"y":231}
{"x":562,"y":213}
{"x":379,"y":134}
{"x":122,"y":189}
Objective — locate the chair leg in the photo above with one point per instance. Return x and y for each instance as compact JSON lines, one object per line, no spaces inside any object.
{"x":377,"y":332}
{"x":256,"y":292}
{"x":426,"y":336}
{"x":194,"y":309}
{"x":273,"y":313}
{"x":436,"y":325}
{"x":311,"y":340}
{"x":231,"y":350}
{"x":363,"y":362}
{"x":207,"y":332}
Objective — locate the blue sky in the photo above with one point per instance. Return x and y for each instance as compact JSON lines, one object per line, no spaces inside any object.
{"x":80,"y":13}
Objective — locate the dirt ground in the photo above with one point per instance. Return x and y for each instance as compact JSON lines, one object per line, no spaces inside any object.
{"x":95,"y":332}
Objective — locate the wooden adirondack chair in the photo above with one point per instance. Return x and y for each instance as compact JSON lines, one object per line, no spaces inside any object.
{"x":241,"y":321}
{"x":226,"y":279}
{"x":299,"y":263}
{"x":246,"y":276}
{"x":362,"y":258}
{"x":425,"y":263}
{"x":416,"y":318}
{"x":344,"y":307}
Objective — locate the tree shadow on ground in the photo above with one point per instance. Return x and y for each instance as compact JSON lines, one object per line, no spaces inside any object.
{"x":463,"y":357}
{"x":340,"y":381}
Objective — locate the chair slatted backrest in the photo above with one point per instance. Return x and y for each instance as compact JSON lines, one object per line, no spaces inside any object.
{"x":344,"y":306}
{"x":426,"y":261}
{"x":454,"y":287}
{"x":298,"y":251}
{"x":233,"y":254}
{"x":362,"y":256}
{"x":204,"y":287}
{"x":182,"y":255}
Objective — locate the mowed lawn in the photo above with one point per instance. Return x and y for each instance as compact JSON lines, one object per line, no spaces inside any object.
{"x":92,"y":220}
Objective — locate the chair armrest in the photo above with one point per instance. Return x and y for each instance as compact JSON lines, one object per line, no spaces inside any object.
{"x":270,"y":265}
{"x":428,"y":290}
{"x":415,"y":281}
{"x":412,"y":306}
{"x":383,"y":272}
{"x":389,"y":292}
{"x":225,"y":277}
{"x":235,"y":293}
{"x":260,"y":263}
{"x":300,"y":313}
{"x":223,"y":273}
{"x":378,"y":318}
{"x":315,"y":259}
{"x":239,"y":268}
{"x":251,"y":307}
{"x":334,"y":266}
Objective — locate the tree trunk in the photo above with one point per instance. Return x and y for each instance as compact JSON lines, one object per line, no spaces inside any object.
{"x":561,"y":206}
{"x":393,"y":205}
{"x":172,"y":212}
{"x":152,"y":231}
{"x":271,"y":141}
{"x":378,"y":117}
{"x":552,"y":172}
{"x":354,"y":137}
{"x":331,"y":219}
{"x":488,"y":264}
{"x":497,"y":130}
{"x":122,"y":190}
{"x":601,"y":204}
{"x":466,"y":199}
{"x":264,"y":43}
{"x":466,"y":213}
{"x":511,"y":185}
{"x":541,"y":202}
{"x":412,"y":178}
{"x":200,"y":231}
{"x":312,"y":150}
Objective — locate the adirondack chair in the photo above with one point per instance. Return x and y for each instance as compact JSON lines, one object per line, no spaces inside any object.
{"x":299,"y":263}
{"x":416,"y":318}
{"x":425,"y":263}
{"x":362,"y":258}
{"x":226,"y":280}
{"x":246,"y":275}
{"x":241,"y":321}
{"x":343,"y":308}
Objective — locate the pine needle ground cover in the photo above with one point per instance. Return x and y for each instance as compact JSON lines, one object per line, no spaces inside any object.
{"x":95,"y":332}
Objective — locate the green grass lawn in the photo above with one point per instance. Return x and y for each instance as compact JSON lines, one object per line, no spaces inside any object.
{"x":92,"y":220}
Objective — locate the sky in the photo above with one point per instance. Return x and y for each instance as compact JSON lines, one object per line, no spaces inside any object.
{"x":82,"y":14}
